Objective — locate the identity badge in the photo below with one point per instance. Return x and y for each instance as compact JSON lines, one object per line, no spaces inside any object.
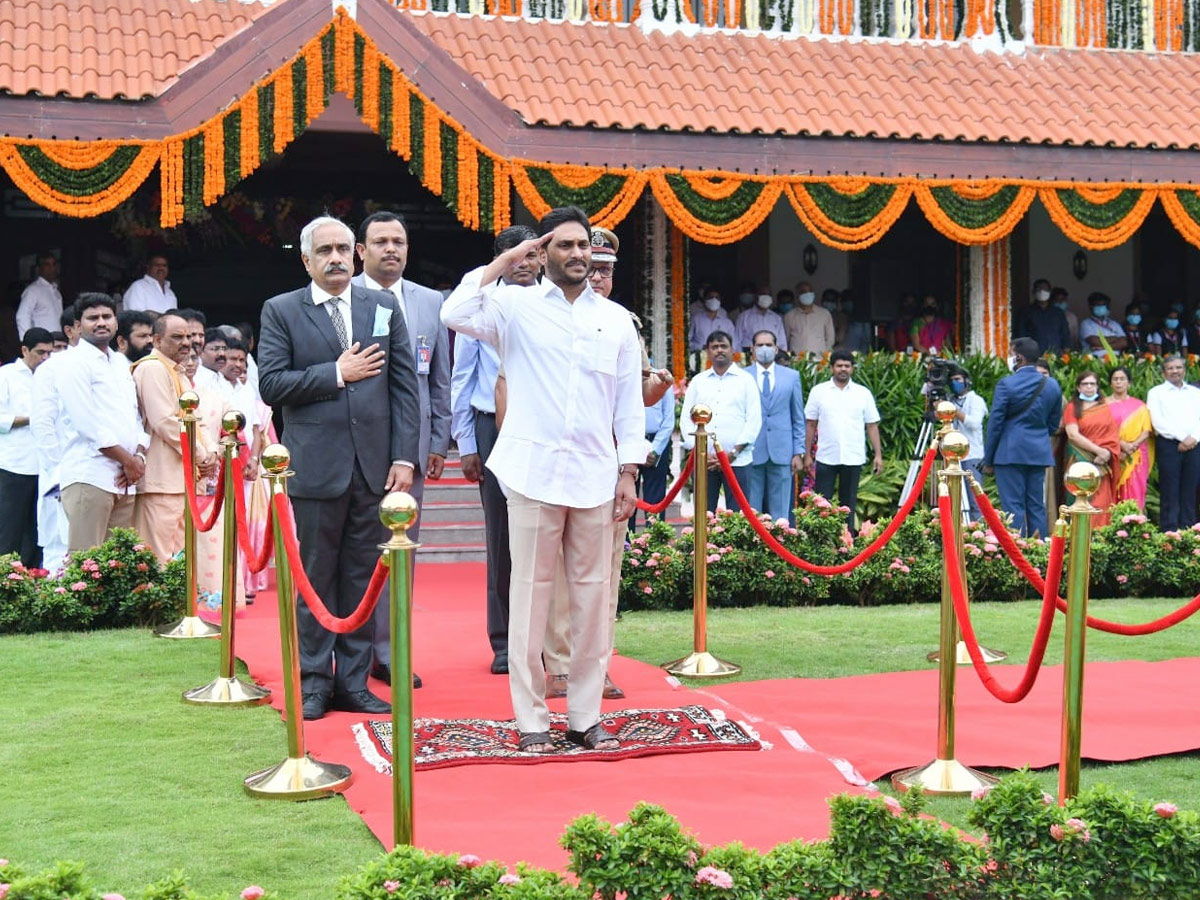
{"x":424,"y":355}
{"x":383,"y":318}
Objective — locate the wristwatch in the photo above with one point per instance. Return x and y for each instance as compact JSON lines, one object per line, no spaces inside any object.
{"x":627,"y":469}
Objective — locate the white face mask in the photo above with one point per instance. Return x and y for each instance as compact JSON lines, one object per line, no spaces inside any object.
{"x":807,"y":298}
{"x":1042,"y":296}
{"x":1012,"y":364}
{"x":712,"y":304}
{"x":764,"y":301}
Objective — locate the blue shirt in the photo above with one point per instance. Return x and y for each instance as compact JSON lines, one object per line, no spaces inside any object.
{"x":660,"y":422}
{"x":472,"y":387}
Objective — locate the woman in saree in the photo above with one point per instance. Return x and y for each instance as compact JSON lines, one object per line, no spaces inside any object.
{"x":1093,"y":436}
{"x":1137,"y":450}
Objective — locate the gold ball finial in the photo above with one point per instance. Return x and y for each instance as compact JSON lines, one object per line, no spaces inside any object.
{"x":955,"y":447}
{"x":945,"y":411}
{"x":276,"y":458}
{"x":1082,"y":480}
{"x":232,"y":422}
{"x":188,"y":401}
{"x":701,"y":414}
{"x":398,"y":512}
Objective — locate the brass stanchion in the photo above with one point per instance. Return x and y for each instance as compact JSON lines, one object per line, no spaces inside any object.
{"x":191,"y":625}
{"x":399,"y":512}
{"x":946,"y":412}
{"x":299,"y":777}
{"x":700,"y":663}
{"x":946,"y":775}
{"x":1083,"y":480}
{"x":227,"y":689}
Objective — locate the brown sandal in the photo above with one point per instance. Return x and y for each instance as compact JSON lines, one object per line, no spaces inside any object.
{"x":593,"y":737}
{"x":528,"y":739}
{"x":556,"y":687}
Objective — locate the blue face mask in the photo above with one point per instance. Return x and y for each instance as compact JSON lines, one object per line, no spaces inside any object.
{"x":1088,"y":398}
{"x":1171,"y":323}
{"x":1100,"y":312}
{"x":785,"y":307}
{"x":1134,"y":319}
{"x":959,"y":387}
{"x":1062,"y":304}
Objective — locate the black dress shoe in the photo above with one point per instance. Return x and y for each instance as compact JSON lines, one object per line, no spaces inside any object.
{"x":500,"y":664}
{"x":314,"y":706}
{"x":360,"y":702}
{"x":383,"y":672}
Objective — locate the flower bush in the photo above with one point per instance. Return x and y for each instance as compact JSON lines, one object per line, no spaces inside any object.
{"x":117,"y":584}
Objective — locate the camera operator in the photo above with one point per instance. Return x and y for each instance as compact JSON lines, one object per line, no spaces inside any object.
{"x":972,"y":410}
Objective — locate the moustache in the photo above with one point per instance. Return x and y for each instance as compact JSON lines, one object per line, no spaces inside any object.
{"x":334,"y":267}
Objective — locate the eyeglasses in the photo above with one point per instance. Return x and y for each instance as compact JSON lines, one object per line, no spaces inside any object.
{"x":601,"y":271}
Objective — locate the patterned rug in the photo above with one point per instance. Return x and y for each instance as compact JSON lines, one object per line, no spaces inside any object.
{"x":642,"y":732}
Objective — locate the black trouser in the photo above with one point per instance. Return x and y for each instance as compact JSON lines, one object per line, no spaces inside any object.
{"x":716,"y":481}
{"x":1178,"y":475}
{"x":339,"y":546}
{"x":18,"y":519}
{"x":847,"y":482}
{"x":654,"y":478}
{"x":495,"y":521}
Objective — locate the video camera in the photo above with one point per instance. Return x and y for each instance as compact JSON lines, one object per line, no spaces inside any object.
{"x":937,"y":379}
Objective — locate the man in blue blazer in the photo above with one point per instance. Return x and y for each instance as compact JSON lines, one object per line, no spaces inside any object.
{"x":779,"y":449}
{"x":336,"y":360}
{"x":1026,"y":410}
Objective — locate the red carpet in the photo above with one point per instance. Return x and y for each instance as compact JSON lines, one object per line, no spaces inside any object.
{"x":820,"y":733}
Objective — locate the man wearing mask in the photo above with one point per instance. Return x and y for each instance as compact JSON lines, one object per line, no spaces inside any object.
{"x":1044,"y":322}
{"x":747,"y":295}
{"x":1175,"y":415}
{"x":1060,"y":299}
{"x":785,"y":302}
{"x":968,"y":418}
{"x":1026,"y":409}
{"x":1170,"y":338}
{"x":1099,"y":334}
{"x":831,"y":301}
{"x":759,"y":318}
{"x":712,"y":319}
{"x":1134,"y":333}
{"x":779,"y":449}
{"x":808,"y":327}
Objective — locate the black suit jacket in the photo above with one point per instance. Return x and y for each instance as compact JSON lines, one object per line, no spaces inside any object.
{"x":376,"y":420}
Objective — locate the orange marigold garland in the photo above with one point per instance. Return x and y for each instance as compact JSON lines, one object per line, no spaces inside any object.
{"x":431,"y":170}
{"x":717,"y":223}
{"x":970,"y":213}
{"x":678,"y":304}
{"x":283,"y":120}
{"x":1182,"y":207}
{"x":120,"y":170}
{"x":343,"y":53}
{"x":214,"y":159}
{"x":171,"y":210}
{"x":314,"y":68}
{"x":370,"y":85}
{"x":1097,"y":227}
{"x":250,"y":155}
{"x":862,"y":225}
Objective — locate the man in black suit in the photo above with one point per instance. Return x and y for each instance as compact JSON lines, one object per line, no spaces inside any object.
{"x":336,"y":359}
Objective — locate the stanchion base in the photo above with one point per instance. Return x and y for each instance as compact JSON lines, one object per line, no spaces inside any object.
{"x":963,"y":658}
{"x":189,"y":627}
{"x":227,"y":692}
{"x":943,"y":776}
{"x":301,"y":778}
{"x":702,"y":665}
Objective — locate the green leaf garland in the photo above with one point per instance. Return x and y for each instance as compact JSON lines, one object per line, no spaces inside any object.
{"x":975,"y":214}
{"x":851,"y":210}
{"x":590,"y":199}
{"x":79,"y":182}
{"x":716,"y":212}
{"x":1098,"y":215}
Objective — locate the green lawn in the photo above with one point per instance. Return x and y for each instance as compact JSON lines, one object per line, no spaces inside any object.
{"x":102,"y":762}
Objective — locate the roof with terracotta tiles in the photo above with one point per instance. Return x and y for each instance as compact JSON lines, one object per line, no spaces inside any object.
{"x":110,"y":49}
{"x":610,"y":76}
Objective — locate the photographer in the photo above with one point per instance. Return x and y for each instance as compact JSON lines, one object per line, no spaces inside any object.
{"x":972,"y":410}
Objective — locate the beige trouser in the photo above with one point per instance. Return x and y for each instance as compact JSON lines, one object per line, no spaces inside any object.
{"x":159,"y":520}
{"x":92,"y":514}
{"x":537,"y":534}
{"x":557,"y":651}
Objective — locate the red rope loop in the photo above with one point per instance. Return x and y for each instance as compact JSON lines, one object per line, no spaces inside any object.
{"x":330,"y":622}
{"x":656,"y":508}
{"x":958,"y":592}
{"x":866,"y":553}
{"x":189,"y":488}
{"x":255,"y":561}
{"x":1026,"y":568}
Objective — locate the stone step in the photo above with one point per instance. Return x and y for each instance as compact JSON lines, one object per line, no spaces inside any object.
{"x":438,"y":511}
{"x":452,"y":553}
{"x":457,"y":490}
{"x":437,"y":534}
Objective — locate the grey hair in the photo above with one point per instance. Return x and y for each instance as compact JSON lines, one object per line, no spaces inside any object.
{"x":231,"y":333}
{"x":306,"y":234}
{"x":1173,"y":357}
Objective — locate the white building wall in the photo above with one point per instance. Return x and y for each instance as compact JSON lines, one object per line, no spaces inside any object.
{"x":787,"y":240}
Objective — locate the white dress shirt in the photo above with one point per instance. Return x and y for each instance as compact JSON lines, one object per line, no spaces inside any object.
{"x":100,"y":409}
{"x":395,"y":290}
{"x":41,"y":307}
{"x":736,"y":407}
{"x":1174,"y":411}
{"x":975,"y":410}
{"x":754,"y":320}
{"x":146,"y":294}
{"x":842,"y":415}
{"x":244,"y":399}
{"x":574,"y":382}
{"x":472,"y":387}
{"x":209,"y":379}
{"x":17,"y":451}
{"x":45,"y":422}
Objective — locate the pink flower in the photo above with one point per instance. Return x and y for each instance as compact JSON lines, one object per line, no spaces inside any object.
{"x":96,"y":576}
{"x":633,"y":562}
{"x":391,"y":886}
{"x":1076,"y":825}
{"x":651,"y":563}
{"x":89,"y":564}
{"x":893,"y":804}
{"x":687,"y":530}
{"x":15,"y":576}
{"x":713,"y":557}
{"x":4,"y":891}
{"x":139,"y":547}
{"x":647,"y":590}
{"x":469,"y":861}
{"x":509,"y":878}
{"x":692,"y":857}
{"x":1122,"y":533}
{"x":3,"y":863}
{"x":60,"y":590}
{"x":1047,"y":799}
{"x":113,"y":896}
{"x":1165,"y":810}
{"x":990,"y":548}
{"x":114,"y":564}
{"x":769,"y":574}
{"x":79,"y":586}
{"x":1057,"y":832}
{"x":1121,"y":579}
{"x":806,"y":579}
{"x":253,"y":892}
{"x":714,"y":876}
{"x":142,"y":567}
{"x":980,"y":793}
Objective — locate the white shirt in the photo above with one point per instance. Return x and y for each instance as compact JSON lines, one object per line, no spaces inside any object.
{"x":842,"y":415}
{"x":100,"y":409}
{"x":754,"y":320}
{"x":45,"y":421}
{"x":395,"y":290}
{"x":208,"y":379}
{"x":18,"y":454}
{"x":242,"y":398}
{"x":975,"y":410}
{"x":472,"y":387}
{"x":41,"y":307}
{"x":1174,"y":411}
{"x":147,"y":294}
{"x":736,"y":407}
{"x":574,"y":373}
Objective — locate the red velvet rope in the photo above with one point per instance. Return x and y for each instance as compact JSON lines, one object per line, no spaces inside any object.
{"x":354,"y":621}
{"x":656,"y":508}
{"x":787,"y":556}
{"x":1034,"y":577}
{"x":958,"y":592}
{"x":255,"y":562}
{"x":189,"y":487}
